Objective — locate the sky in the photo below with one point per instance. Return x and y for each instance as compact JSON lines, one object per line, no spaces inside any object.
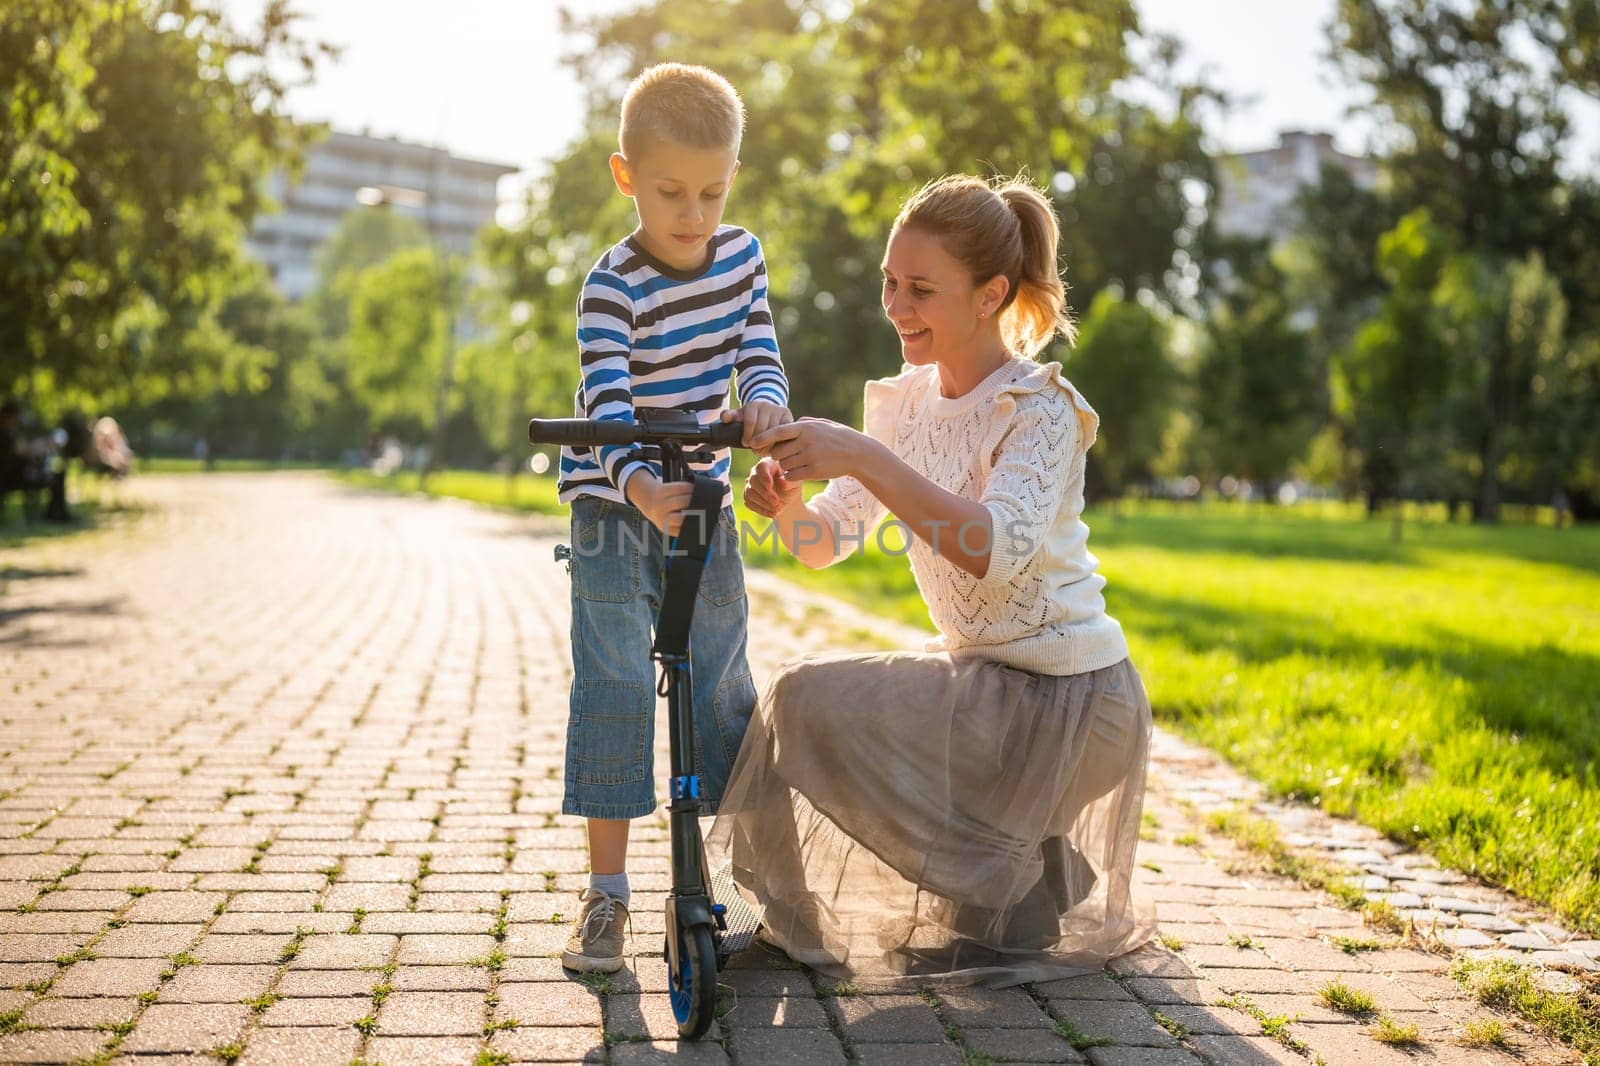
{"x":487,"y":82}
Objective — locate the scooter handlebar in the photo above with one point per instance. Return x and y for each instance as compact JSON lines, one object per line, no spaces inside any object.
{"x":596,"y":432}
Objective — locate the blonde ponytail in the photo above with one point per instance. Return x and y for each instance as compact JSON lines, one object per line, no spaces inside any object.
{"x":1039,"y":310}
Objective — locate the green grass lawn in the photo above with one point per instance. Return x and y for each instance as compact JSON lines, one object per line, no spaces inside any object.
{"x":1445,"y":689}
{"x":522,"y":493}
{"x":167,"y":464}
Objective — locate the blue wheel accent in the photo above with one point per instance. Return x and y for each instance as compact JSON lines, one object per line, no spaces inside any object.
{"x":680,"y":985}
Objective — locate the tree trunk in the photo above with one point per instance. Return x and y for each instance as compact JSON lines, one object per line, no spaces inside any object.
{"x":1487,"y":508}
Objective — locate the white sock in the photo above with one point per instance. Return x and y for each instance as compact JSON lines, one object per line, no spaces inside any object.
{"x":614,"y":885}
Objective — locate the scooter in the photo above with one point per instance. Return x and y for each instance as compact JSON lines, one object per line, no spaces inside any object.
{"x":701,"y":932}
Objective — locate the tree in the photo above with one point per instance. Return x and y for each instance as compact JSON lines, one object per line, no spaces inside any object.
{"x":238,"y":400}
{"x":1507,"y":322}
{"x":1474,"y":98}
{"x":1259,"y":393}
{"x":401,"y":317}
{"x":1122,"y":365}
{"x":527,"y":365}
{"x":1392,"y":380}
{"x":131,"y":147}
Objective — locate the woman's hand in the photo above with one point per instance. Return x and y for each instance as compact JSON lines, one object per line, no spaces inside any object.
{"x":758,"y":416}
{"x":767,"y":492}
{"x":815,"y":449}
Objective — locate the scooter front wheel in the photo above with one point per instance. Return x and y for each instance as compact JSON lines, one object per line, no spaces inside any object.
{"x":693,"y":987}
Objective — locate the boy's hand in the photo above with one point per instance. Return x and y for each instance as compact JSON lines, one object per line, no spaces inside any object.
{"x":767,"y":492}
{"x":758,"y":416}
{"x":663,"y":504}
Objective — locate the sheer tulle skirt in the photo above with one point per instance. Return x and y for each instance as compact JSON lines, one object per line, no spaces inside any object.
{"x":911,"y":817}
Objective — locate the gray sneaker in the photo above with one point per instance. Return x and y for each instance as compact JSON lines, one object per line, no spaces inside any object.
{"x":596,"y":941}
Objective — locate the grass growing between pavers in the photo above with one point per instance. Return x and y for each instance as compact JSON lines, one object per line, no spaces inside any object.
{"x":1572,"y":1017}
{"x":1346,"y":1000}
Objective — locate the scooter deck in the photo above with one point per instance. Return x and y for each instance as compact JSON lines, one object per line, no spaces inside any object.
{"x":743,"y":920}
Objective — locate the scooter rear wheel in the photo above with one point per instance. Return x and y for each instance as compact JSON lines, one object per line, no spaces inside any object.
{"x":693,"y":988}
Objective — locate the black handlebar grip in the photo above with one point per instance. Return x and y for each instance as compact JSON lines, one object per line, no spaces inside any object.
{"x":724,"y":434}
{"x":580,"y":432}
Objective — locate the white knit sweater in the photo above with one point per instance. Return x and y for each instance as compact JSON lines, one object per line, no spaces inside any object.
{"x":1016,"y":444}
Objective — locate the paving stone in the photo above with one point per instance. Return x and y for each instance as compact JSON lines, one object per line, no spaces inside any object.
{"x":42,"y":947}
{"x":1140,"y":1056}
{"x":79,"y":1013}
{"x":431,"y":1014}
{"x":448,"y":978}
{"x":1465,"y":938}
{"x":109,"y":977}
{"x":981,"y":1008}
{"x":632,"y":1016}
{"x":50,"y":1045}
{"x":571,"y":1043}
{"x":1245,"y":1051}
{"x":1456,"y":905}
{"x":1018,"y":1045}
{"x":319,"y":983}
{"x":170,"y":1027}
{"x":146,"y":941}
{"x":338,"y":951}
{"x":1349,"y":1043}
{"x":217,"y":984}
{"x":785,"y":1047}
{"x":1568,"y":960}
{"x":663,"y":1053}
{"x":1494,"y":923}
{"x":1126,"y":1023}
{"x":301,"y":1047}
{"x":422,"y":1051}
{"x":767,"y":983}
{"x":886,"y":1019}
{"x":1090,"y":986}
{"x":314,"y":1012}
{"x":443,"y":950}
{"x":785,"y":1012}
{"x":542,"y":1004}
{"x":241,"y":948}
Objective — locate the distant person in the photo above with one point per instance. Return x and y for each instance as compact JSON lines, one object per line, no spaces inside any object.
{"x":113,"y":456}
{"x":970,"y":811}
{"x":667,"y":316}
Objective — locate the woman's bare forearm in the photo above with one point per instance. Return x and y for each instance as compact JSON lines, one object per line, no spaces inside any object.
{"x":959,"y":529}
{"x":806,"y":534}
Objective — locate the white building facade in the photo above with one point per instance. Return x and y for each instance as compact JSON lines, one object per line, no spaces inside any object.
{"x":452,"y":197}
{"x":1256,"y":190}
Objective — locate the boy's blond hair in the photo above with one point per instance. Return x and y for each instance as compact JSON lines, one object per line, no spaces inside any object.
{"x":689,"y":105}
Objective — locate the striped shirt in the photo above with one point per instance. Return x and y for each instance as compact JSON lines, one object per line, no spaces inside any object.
{"x":653,"y":336}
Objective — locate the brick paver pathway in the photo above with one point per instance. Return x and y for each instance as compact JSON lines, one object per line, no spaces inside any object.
{"x":279,"y":782}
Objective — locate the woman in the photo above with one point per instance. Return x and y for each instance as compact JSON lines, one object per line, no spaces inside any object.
{"x":970,"y":811}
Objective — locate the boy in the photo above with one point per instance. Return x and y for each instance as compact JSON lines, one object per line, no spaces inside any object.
{"x":666,"y":317}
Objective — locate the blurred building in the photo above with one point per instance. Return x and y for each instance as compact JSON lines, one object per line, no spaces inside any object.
{"x":453,"y":197}
{"x":1256,"y":190}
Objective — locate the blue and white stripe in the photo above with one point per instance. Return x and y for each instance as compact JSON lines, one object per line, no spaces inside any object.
{"x":650,"y":336}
